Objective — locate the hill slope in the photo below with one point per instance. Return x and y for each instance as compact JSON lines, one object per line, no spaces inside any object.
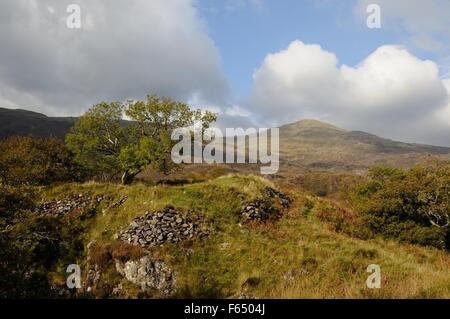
{"x":295,"y":256}
{"x":23,"y":122}
{"x":318,"y":145}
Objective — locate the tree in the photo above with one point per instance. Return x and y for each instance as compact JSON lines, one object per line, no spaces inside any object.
{"x":108,"y":145}
{"x":434,"y":195}
{"x":36,"y":161}
{"x":156,"y":118}
{"x":97,"y":138}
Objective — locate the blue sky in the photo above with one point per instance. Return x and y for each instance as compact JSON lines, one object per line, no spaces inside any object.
{"x":246,"y":31}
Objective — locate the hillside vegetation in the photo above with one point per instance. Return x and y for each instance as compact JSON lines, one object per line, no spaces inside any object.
{"x":22,"y":123}
{"x":177,"y":231}
{"x":295,"y":256}
{"x":320,"y":146}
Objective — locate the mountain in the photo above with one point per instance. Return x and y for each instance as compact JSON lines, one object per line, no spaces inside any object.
{"x":309,"y":144}
{"x":318,"y":145}
{"x":23,"y":122}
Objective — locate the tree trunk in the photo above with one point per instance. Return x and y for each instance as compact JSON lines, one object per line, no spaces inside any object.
{"x":127,"y":178}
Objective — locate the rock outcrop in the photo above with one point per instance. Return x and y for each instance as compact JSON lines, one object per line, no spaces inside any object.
{"x":149,"y":274}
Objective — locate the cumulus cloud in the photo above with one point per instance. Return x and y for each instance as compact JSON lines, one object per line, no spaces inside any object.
{"x":125,"y":49}
{"x":391,"y":93}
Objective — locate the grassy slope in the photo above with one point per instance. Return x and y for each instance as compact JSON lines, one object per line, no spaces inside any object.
{"x":316,"y":145}
{"x":254,"y":259}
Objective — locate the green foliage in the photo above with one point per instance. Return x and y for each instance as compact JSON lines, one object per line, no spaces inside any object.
{"x":97,"y":138}
{"x":14,"y":199}
{"x":293,"y":257}
{"x":33,"y":245}
{"x":36,"y":161}
{"x":109,"y":146}
{"x":163,"y":115}
{"x":132,"y":158}
{"x":157,"y":118}
{"x":411,"y":206}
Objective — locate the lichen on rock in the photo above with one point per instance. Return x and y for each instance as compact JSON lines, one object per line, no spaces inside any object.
{"x":149,"y":274}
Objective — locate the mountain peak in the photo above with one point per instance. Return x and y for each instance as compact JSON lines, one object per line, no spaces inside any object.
{"x":311,"y":124}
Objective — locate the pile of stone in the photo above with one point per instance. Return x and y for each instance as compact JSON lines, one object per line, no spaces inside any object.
{"x":120,"y":202}
{"x":282,"y":197}
{"x":258,"y":211}
{"x":68,"y":205}
{"x":264,"y":209}
{"x":156,"y":228}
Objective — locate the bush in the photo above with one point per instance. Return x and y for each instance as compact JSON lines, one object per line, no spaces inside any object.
{"x":412,"y":206}
{"x":338,"y":217}
{"x":37,"y":161}
{"x":125,"y":252}
{"x":33,"y":245}
{"x":101,"y":255}
{"x":14,"y":199}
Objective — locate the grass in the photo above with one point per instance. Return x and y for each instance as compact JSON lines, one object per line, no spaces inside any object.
{"x":297,"y":256}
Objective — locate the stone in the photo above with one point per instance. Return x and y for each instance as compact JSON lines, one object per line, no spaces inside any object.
{"x":67,"y":205}
{"x":159,"y":227}
{"x":120,"y":202}
{"x":149,"y":274}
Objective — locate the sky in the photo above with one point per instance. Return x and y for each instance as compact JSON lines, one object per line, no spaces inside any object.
{"x":258,"y":63}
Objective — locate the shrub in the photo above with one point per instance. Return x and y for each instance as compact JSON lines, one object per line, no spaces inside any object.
{"x":36,"y":161}
{"x":33,"y":245}
{"x":13,"y":200}
{"x":338,"y":217}
{"x":412,"y":206}
{"x":125,"y":252}
{"x":101,"y":255}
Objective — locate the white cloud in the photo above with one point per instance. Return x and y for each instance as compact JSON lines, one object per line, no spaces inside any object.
{"x":391,"y":92}
{"x":125,"y":49}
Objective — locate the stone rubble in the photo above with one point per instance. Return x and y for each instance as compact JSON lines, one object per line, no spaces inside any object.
{"x":258,"y":211}
{"x":282,"y":197}
{"x":156,"y":228}
{"x":261,"y":210}
{"x":120,"y":202}
{"x":68,"y":205}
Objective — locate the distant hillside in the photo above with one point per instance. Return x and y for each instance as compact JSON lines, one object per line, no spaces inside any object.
{"x":309,"y":144}
{"x":317,"y":145}
{"x":23,"y":122}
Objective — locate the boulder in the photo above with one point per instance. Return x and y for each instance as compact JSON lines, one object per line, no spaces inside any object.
{"x":149,"y":274}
